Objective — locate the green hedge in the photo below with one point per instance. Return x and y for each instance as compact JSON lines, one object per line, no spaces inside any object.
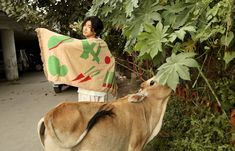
{"x":192,"y":127}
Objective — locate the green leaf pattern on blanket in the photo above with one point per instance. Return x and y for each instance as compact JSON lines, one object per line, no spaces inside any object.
{"x":89,"y":49}
{"x":55,"y":41}
{"x":55,"y":68}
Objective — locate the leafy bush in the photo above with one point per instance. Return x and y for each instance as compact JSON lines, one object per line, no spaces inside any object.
{"x":225,"y":89}
{"x":161,"y":28}
{"x":192,"y":128}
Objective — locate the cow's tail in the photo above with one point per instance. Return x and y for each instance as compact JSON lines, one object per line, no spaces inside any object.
{"x":41,"y":131}
{"x":104,"y":111}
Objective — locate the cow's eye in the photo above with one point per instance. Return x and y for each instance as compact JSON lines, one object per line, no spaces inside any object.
{"x":152,"y":82}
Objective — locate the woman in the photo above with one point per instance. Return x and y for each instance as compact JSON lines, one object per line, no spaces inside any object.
{"x":91,"y":29}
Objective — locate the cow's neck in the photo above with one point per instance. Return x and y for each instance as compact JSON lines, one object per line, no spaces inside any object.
{"x":157,"y":110}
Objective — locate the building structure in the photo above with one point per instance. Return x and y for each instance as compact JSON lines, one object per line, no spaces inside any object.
{"x":13,"y":38}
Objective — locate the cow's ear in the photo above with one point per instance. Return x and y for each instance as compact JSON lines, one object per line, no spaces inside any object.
{"x":135,"y":98}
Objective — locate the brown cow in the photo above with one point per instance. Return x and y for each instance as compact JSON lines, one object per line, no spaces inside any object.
{"x":126,"y":124}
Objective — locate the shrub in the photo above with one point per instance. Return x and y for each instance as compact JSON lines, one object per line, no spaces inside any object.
{"x":192,"y":128}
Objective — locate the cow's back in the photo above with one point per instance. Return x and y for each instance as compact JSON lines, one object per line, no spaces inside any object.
{"x":115,"y":133}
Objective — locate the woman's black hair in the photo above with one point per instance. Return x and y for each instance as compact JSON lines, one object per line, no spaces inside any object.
{"x":96,"y":23}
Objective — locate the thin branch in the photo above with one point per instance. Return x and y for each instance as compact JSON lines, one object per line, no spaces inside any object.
{"x":199,"y":72}
{"x":212,"y":91}
{"x":129,"y":69}
{"x":138,"y":68}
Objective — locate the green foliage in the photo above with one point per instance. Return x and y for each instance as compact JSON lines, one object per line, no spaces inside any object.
{"x":160,"y":28}
{"x":176,"y":66}
{"x":115,"y":41}
{"x":181,"y":33}
{"x":229,"y":56}
{"x":151,"y":40}
{"x":178,"y":13}
{"x":214,"y":20}
{"x":130,"y":19}
{"x":226,"y":39}
{"x":225,"y":89}
{"x":53,"y":14}
{"x":192,"y":127}
{"x":130,"y":5}
{"x":147,"y":14}
{"x":21,"y":11}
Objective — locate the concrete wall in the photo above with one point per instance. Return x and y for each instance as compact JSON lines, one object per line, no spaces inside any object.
{"x":9,"y":54}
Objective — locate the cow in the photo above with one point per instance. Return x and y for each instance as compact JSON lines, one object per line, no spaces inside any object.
{"x":126,"y":124}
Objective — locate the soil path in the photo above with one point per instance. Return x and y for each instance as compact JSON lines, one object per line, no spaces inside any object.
{"x":22,"y":104}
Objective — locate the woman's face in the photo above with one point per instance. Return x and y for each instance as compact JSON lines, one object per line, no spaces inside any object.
{"x":87,"y":30}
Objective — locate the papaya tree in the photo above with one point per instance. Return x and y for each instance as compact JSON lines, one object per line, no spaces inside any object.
{"x":180,"y":31}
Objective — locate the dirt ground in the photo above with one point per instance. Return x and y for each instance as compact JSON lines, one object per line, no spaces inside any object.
{"x":24,"y":102}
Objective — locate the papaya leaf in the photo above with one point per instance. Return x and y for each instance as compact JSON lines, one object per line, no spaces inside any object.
{"x":162,"y":75}
{"x":181,"y":33}
{"x":177,"y":14}
{"x":183,"y":73}
{"x":173,"y":79}
{"x":150,"y":41}
{"x":176,"y":66}
{"x":130,"y":5}
{"x":146,"y":13}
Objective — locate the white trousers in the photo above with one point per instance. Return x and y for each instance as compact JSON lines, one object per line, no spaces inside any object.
{"x":93,"y":96}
